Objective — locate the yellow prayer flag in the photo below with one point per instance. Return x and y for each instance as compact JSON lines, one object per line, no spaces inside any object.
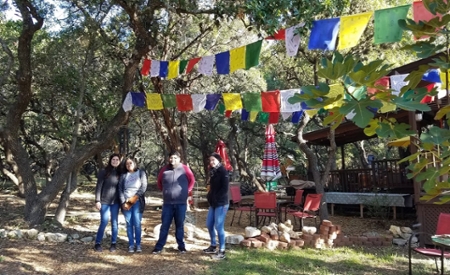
{"x":311,"y":112}
{"x":232,"y":101}
{"x":154,"y":101}
{"x":443,"y":79}
{"x":237,"y":59}
{"x":173,"y":69}
{"x":351,"y":29}
{"x":253,"y":115}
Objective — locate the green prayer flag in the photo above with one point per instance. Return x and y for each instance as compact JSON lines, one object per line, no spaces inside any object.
{"x":169,"y":100}
{"x":221,"y":108}
{"x":252,"y":53}
{"x":263,"y":117}
{"x":183,"y":64}
{"x":252,"y":102}
{"x":386,"y":28}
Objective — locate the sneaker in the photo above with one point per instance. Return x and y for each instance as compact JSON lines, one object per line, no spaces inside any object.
{"x":210,"y":250}
{"x":138,"y":249}
{"x":182,"y":250}
{"x":131,"y":249}
{"x":156,"y":251}
{"x":219,"y":256}
{"x":98,"y":247}
{"x":112,"y":248}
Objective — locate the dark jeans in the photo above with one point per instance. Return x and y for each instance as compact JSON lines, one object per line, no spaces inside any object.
{"x":171,"y":212}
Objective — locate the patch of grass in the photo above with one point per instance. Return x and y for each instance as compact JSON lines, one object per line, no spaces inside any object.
{"x":312,"y":261}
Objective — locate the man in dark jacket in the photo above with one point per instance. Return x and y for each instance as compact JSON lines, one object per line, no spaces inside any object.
{"x":175,"y":180}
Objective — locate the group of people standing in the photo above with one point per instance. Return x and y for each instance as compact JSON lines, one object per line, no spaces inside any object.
{"x":116,"y":190}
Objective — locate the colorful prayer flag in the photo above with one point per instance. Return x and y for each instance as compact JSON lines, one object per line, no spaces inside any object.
{"x":263,"y":117}
{"x":163,"y":68}
{"x":324,"y":34}
{"x":420,"y":13}
{"x":145,"y":67}
{"x":274,"y":118}
{"x":232,"y":101}
{"x":198,"y":102}
{"x":237,"y":59}
{"x":173,"y":69}
{"x":127,"y":104}
{"x":211,"y":101}
{"x":296,"y":116}
{"x":154,"y":101}
{"x":386,"y":28}
{"x":169,"y":100}
{"x":223,"y":62}
{"x":278,"y":35}
{"x":154,"y":68}
{"x":138,"y":99}
{"x":252,"y":102}
{"x":244,"y":115}
{"x":270,"y":101}
{"x":292,"y":40}
{"x":206,"y":64}
{"x":398,"y":82}
{"x":253,"y":115}
{"x":351,"y":29}
{"x":252,"y":52}
{"x":183,"y":64}
{"x":381,"y":83}
{"x":192,"y":63}
{"x":285,"y":105}
{"x":184,"y":102}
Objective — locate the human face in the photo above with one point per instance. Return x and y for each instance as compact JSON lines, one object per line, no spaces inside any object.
{"x":174,"y":160}
{"x":115,"y":161}
{"x":213,"y":161}
{"x":130,"y":165}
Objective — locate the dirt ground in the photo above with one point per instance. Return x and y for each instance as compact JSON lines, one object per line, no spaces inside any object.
{"x":21,"y":256}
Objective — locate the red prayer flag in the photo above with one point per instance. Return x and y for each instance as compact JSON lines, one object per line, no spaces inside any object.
{"x":270,"y":101}
{"x":192,"y":63}
{"x":184,"y":102}
{"x":428,"y":99}
{"x":420,"y":13}
{"x":273,"y":118}
{"x":228,"y":113}
{"x":384,"y":82}
{"x":146,"y":67}
{"x":279,"y":35}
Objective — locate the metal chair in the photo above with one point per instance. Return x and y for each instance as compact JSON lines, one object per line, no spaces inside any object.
{"x":266,"y":206}
{"x":310,"y":209}
{"x":236,"y":199}
{"x":296,"y":205}
{"x":443,"y":227}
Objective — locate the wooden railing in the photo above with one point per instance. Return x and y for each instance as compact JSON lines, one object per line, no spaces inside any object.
{"x":384,"y":176}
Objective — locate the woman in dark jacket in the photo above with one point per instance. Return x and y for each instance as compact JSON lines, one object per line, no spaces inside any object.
{"x":107,"y":201}
{"x":218,"y":205}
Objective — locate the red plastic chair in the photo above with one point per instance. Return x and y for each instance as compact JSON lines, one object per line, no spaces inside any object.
{"x":296,"y":205}
{"x":266,"y":206}
{"x":310,"y":209}
{"x":443,"y":227}
{"x":236,"y":199}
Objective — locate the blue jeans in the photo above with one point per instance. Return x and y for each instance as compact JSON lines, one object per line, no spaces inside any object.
{"x":171,"y":212}
{"x":216,"y":220}
{"x":106,"y":212}
{"x":133,"y":219}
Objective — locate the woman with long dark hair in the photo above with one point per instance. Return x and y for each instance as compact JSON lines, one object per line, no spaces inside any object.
{"x":132,"y":187}
{"x":107,"y":201}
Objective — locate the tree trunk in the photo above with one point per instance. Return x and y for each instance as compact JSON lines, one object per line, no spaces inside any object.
{"x":313,"y":166}
{"x":71,"y":186}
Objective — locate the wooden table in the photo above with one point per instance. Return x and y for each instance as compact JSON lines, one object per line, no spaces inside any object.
{"x":443,"y":242}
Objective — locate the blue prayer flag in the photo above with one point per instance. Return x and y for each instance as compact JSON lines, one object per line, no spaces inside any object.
{"x":296,"y":116}
{"x":244,"y":115}
{"x":163,"y":68}
{"x":211,"y":101}
{"x":223,"y":62}
{"x":138,"y":99}
{"x":324,"y":34}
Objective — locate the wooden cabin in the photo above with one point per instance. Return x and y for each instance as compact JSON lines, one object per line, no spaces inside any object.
{"x":385,"y":176}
